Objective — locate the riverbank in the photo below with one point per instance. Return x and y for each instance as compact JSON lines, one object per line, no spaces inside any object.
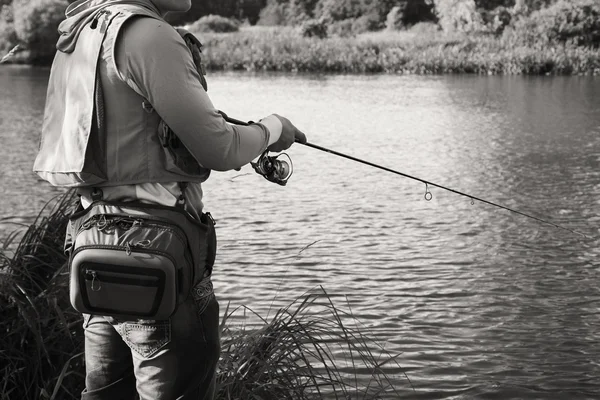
{"x":284,"y":49}
{"x":412,"y":52}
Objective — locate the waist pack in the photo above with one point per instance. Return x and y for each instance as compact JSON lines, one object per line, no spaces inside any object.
{"x":136,"y":261}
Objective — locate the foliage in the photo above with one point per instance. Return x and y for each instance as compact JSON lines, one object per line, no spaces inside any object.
{"x":459,"y":16}
{"x":250,"y":10}
{"x":366,"y":23}
{"x":314,"y":28}
{"x":393,"y":21}
{"x":41,"y":333}
{"x":298,"y":355}
{"x":572,"y":21}
{"x":215,"y":23}
{"x":8,"y":36}
{"x":275,"y":13}
{"x":342,"y":28}
{"x":36,"y":26}
{"x":339,"y":10}
{"x":425,"y":29}
{"x":497,"y":20}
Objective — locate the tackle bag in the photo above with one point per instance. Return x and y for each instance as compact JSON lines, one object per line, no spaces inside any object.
{"x":134,"y":260}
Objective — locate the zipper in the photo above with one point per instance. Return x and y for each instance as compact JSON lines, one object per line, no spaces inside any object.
{"x":94,"y":275}
{"x":100,"y":276}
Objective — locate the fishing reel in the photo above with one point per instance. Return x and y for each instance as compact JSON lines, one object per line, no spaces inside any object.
{"x":273,"y":168}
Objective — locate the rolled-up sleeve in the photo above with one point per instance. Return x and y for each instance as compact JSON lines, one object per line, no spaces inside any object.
{"x":153,"y":55}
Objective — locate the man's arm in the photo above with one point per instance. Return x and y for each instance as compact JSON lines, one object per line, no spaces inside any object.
{"x":153,"y":55}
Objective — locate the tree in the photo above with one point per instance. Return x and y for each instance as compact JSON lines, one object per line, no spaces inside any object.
{"x":338,"y":10}
{"x":36,"y":26}
{"x":458,"y":15}
{"x":250,"y":10}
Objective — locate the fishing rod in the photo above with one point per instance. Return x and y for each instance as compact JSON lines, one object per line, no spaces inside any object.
{"x":279,"y":171}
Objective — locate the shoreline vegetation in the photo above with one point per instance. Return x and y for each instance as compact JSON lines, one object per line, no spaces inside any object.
{"x":310,"y":349}
{"x":420,"y":50}
{"x":488,"y":37}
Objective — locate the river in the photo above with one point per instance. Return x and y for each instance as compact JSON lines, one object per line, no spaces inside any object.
{"x":477,"y":302}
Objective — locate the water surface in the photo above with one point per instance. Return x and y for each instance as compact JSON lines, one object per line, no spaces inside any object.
{"x":480,"y":303}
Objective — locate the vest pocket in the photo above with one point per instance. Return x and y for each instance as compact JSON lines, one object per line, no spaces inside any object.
{"x":178,"y":158}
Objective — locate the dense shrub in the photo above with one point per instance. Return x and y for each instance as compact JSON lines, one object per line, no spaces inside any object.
{"x":299,"y":11}
{"x":574,"y":21}
{"x":459,"y":16}
{"x":341,"y":28}
{"x":425,"y":29}
{"x":214,"y":23}
{"x":393,"y":21}
{"x":338,"y":10}
{"x":36,"y":26}
{"x":250,"y":10}
{"x":407,"y":13}
{"x":8,"y":37}
{"x":273,"y":14}
{"x":497,"y":19}
{"x":367,"y":23}
{"x":314,"y":28}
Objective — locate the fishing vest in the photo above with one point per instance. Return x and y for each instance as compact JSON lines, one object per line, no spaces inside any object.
{"x":74,"y":140}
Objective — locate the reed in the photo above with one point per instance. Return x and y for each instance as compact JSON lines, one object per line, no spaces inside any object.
{"x":284,"y":49}
{"x":310,"y":349}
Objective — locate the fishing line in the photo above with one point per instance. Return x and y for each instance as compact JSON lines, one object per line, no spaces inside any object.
{"x":428,"y":195}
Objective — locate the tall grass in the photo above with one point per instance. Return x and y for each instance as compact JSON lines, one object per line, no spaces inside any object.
{"x":308,"y":350}
{"x":41,"y":335}
{"x":284,"y":49}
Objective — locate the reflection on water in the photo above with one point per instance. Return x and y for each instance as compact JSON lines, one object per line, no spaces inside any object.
{"x":479,"y":302}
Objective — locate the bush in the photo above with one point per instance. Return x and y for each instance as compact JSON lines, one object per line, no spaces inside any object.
{"x":273,"y":14}
{"x":36,"y":26}
{"x":425,"y":29}
{"x":8,"y":36}
{"x":214,"y":23}
{"x":366,"y":23}
{"x":314,"y":28}
{"x":459,"y":16}
{"x":342,"y":28}
{"x":339,"y":10}
{"x":393,"y":21}
{"x":572,"y":21}
{"x":497,"y":19}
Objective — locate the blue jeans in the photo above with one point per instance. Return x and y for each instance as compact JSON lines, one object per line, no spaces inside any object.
{"x":159,"y":360}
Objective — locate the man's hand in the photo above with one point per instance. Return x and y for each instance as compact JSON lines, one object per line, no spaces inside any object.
{"x":289,"y":135}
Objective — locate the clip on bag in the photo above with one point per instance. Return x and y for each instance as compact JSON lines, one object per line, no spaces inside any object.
{"x":134,"y":260}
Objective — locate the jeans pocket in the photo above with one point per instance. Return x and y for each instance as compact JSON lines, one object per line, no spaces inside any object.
{"x":146,"y":338}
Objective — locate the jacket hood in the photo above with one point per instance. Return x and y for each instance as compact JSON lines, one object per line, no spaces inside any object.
{"x":81,"y":12}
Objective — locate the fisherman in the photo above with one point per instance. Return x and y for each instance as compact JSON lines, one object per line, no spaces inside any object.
{"x":127,"y":115}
